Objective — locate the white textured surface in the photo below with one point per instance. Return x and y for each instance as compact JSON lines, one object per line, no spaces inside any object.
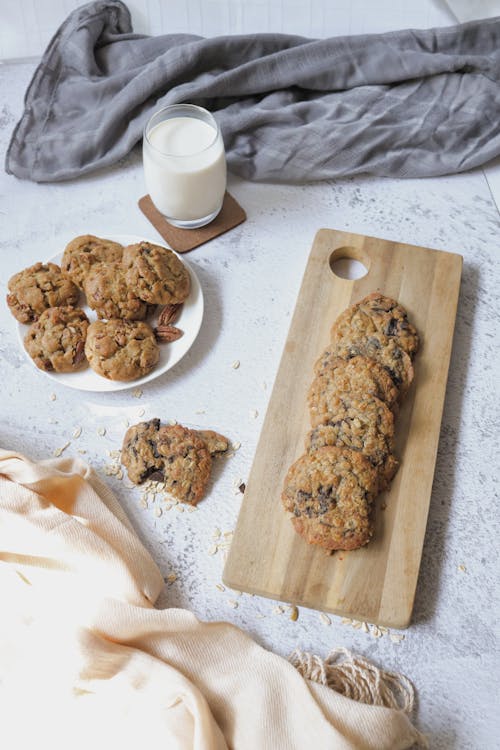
{"x":250,"y":278}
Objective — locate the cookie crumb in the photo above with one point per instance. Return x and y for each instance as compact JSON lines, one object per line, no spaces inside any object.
{"x":294,"y":613}
{"x":462,"y":568}
{"x":171,"y":578}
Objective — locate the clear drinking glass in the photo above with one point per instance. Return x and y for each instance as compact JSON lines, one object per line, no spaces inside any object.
{"x":185,"y":165}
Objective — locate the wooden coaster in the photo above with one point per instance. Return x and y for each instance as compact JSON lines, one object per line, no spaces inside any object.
{"x":183,"y":240}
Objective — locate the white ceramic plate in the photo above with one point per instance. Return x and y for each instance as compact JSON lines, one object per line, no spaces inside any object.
{"x":189,"y":322}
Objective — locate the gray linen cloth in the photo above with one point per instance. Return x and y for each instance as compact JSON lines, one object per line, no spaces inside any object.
{"x":405,"y":104}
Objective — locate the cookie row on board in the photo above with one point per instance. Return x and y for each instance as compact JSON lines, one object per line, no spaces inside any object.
{"x":359,"y":381}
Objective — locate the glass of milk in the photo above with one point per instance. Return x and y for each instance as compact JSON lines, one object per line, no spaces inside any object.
{"x":185,"y":165}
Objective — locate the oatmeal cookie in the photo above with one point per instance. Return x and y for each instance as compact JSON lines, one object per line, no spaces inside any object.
{"x":363,"y":424}
{"x":156,"y":274}
{"x":109,"y":294}
{"x":139,"y":454}
{"x":358,"y":376}
{"x":37,"y":288}
{"x":376,"y":314}
{"x":186,"y":462}
{"x":121,"y":349}
{"x":82,"y":252}
{"x":383,"y":350}
{"x":56,"y":341}
{"x":330,"y":494}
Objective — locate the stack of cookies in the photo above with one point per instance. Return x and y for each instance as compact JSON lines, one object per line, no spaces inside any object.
{"x":178,"y":457}
{"x":122,"y":285}
{"x":359,"y":382}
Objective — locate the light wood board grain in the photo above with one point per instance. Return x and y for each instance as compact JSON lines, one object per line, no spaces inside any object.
{"x":376,"y":583}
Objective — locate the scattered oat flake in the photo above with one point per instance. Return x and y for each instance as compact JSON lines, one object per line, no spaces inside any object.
{"x":59,"y":451}
{"x":141,"y":412}
{"x":228,"y":534}
{"x":53,"y":421}
{"x":180,"y":508}
{"x":278,"y":610}
{"x":168,"y":506}
{"x":232,"y":603}
{"x":224,"y":555}
{"x":216,"y":533}
{"x":171,"y":422}
{"x":462,"y":568}
{"x":325,"y":619}
{"x":356,"y":624}
{"x":364,"y":627}
{"x":200,"y":411}
{"x":143,"y":503}
{"x":101,"y":431}
{"x":235,"y":446}
{"x":254,"y":413}
{"x":383,"y":629}
{"x":294,"y":614}
{"x":260,"y":617}
{"x":126,"y":423}
{"x":346,"y":621}
{"x":77,"y":432}
{"x":158,"y":512}
{"x":82,"y":451}
{"x":235,"y":364}
{"x":376,"y":632}
{"x":172,"y":577}
{"x":137,"y":393}
{"x":213,"y":549}
{"x":264,"y":385}
{"x":52,"y":396}
{"x":220,"y":587}
{"x":192,"y":509}
{"x":396,"y":637}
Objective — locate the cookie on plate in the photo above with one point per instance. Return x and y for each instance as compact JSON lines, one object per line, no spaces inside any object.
{"x":109,"y":294}
{"x":156,"y":274}
{"x":383,"y":350}
{"x":56,"y":341}
{"x":363,"y":424}
{"x":376,"y":313}
{"x":37,"y":288}
{"x":330,"y":494}
{"x":139,"y":454}
{"x":359,"y":376}
{"x":186,"y":462}
{"x":82,"y":252}
{"x":121,"y":349}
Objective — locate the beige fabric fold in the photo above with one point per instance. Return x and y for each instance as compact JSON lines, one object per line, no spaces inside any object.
{"x":86,"y":661}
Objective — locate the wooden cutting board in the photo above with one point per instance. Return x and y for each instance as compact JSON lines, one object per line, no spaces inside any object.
{"x":376,"y":583}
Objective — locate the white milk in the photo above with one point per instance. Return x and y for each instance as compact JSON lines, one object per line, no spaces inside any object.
{"x":185,"y":168}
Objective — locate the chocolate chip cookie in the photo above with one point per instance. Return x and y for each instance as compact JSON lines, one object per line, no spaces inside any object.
{"x":121,"y":349}
{"x":358,"y":376}
{"x":330,"y":494}
{"x":186,"y":462}
{"x":383,"y":350}
{"x":363,"y":424}
{"x":37,"y":288}
{"x":56,"y":341}
{"x":109,"y":294}
{"x":139,"y":453}
{"x":82,"y":252}
{"x":156,"y":274}
{"x":376,"y":313}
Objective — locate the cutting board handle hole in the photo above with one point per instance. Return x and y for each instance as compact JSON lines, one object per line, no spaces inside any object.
{"x":348,"y":263}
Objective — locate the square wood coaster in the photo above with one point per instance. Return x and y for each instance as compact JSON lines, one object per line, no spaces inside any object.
{"x":183,"y":240}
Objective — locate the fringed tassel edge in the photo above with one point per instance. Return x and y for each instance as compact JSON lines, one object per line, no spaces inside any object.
{"x":357,"y":678}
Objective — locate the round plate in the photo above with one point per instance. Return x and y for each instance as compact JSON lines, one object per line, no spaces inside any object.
{"x":189,"y":322}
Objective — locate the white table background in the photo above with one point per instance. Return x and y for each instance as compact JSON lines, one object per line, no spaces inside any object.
{"x":250,"y":279}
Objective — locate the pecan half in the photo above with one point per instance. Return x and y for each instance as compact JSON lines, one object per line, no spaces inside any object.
{"x":167,"y":334}
{"x":169,"y":314}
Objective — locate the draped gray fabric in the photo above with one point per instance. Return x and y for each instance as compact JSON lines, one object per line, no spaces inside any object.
{"x":404,"y":104}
